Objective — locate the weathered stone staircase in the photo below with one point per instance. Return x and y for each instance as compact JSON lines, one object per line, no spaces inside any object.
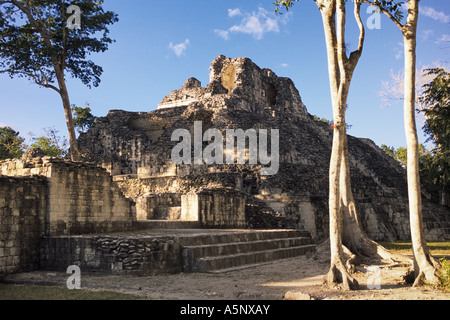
{"x":232,"y":251}
{"x":157,"y":247}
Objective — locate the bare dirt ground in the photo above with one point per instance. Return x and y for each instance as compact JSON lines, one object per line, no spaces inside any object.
{"x":266,"y":282}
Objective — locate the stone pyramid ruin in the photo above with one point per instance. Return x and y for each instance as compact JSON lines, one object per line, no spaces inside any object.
{"x":136,"y":148}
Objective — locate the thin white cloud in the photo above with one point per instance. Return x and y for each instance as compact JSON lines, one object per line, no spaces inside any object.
{"x":234,"y":12}
{"x":224,"y":34}
{"x":434,"y":14}
{"x":426,"y":34}
{"x":284,"y":65}
{"x":445,"y":38}
{"x":399,"y":51}
{"x":179,"y":48}
{"x":256,"y":23}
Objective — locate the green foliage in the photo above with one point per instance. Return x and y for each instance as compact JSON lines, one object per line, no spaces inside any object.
{"x":430,"y":168}
{"x":393,"y":7}
{"x":283,"y":4}
{"x":398,"y":154}
{"x":11,"y":145}
{"x":436,"y":97}
{"x":431,"y":173}
{"x":35,"y":39}
{"x":444,"y":275}
{"x":83,"y":119}
{"x":51,"y":145}
{"x":328,"y":122}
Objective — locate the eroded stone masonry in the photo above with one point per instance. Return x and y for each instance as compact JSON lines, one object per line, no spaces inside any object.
{"x":136,"y":148}
{"x":127,"y":175}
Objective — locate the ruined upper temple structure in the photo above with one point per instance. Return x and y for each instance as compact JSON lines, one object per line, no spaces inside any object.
{"x":255,"y":89}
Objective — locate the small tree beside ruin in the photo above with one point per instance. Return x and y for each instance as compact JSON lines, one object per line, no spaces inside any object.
{"x":46,"y":40}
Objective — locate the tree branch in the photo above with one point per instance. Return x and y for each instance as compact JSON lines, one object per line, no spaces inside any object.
{"x":34,"y":23}
{"x":341,"y":54}
{"x":328,"y":12}
{"x":340,"y":17}
{"x":42,"y":73}
{"x":355,"y":55}
{"x":376,"y":3}
{"x":35,"y":79}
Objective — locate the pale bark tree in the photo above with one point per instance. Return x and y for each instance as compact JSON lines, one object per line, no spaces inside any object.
{"x":345,"y":231}
{"x":340,"y":69}
{"x":425,"y":266}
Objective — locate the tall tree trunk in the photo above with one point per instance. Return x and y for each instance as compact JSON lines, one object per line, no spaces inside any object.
{"x":74,"y":152}
{"x":425,"y":267}
{"x":339,"y":87}
{"x":338,"y":271}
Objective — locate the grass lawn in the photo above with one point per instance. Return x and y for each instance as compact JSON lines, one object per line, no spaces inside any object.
{"x":404,"y":247}
{"x":21,"y":292}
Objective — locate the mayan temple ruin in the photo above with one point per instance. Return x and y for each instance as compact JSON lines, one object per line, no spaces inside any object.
{"x":127,"y":182}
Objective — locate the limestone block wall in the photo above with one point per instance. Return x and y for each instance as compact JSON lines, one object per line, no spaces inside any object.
{"x":111,"y":254}
{"x":214,"y":208}
{"x":81,"y":198}
{"x":165,"y":206}
{"x":85,"y":200}
{"x":22,"y":222}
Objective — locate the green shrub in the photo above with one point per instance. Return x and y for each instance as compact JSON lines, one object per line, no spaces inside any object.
{"x":444,"y":276}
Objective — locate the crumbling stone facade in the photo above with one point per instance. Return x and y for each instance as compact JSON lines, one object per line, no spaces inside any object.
{"x":22,"y":222}
{"x":214,"y":208}
{"x":48,"y":197}
{"x":135,"y":147}
{"x":80,"y":198}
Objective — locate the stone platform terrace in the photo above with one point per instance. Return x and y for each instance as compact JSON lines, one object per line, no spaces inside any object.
{"x":151,"y":251}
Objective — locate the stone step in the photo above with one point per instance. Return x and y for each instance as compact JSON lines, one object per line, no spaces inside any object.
{"x":230,"y":236}
{"x":230,"y":262}
{"x":221,"y":249}
{"x":231,"y":249}
{"x":165,"y":224}
{"x":169,"y":251}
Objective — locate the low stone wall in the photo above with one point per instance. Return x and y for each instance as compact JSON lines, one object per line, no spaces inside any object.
{"x":22,"y":222}
{"x":82,"y":198}
{"x":112,"y":254}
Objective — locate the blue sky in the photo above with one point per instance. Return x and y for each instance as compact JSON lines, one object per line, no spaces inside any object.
{"x":159,"y":45}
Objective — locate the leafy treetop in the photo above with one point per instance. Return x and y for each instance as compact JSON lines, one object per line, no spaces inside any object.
{"x":35,"y":39}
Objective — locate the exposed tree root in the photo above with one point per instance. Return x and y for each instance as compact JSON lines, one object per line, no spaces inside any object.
{"x":370,"y":250}
{"x":338,"y":274}
{"x":374,"y":253}
{"x":427,"y":272}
